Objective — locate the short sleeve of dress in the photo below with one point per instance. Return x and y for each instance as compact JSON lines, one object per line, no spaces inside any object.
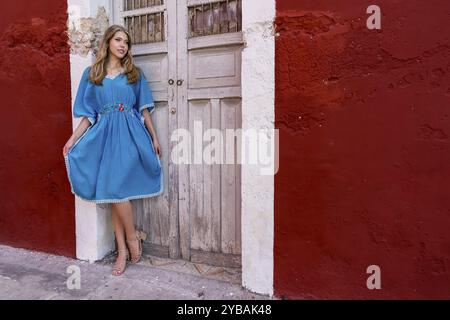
{"x":84,"y":102}
{"x":144,"y":95}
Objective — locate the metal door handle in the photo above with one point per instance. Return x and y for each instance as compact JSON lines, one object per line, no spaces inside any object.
{"x":179,"y":82}
{"x":171,"y":81}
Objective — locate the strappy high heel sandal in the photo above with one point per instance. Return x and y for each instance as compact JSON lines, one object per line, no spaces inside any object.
{"x":136,"y":249}
{"x":120,"y":264}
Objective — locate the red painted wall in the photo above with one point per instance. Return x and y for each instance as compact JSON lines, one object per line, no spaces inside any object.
{"x":364,"y":172}
{"x":37,"y":207}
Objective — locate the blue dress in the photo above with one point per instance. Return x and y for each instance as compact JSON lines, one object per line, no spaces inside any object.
{"x":114,"y":160}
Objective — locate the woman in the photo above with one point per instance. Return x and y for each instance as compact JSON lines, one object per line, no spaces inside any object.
{"x":113,"y":155}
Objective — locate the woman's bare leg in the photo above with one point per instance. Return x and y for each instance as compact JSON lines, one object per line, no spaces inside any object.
{"x":125,"y":213}
{"x":119,"y":232}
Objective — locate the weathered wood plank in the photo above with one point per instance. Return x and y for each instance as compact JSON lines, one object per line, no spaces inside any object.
{"x":223,"y":17}
{"x":158,"y":26}
{"x":144,"y":29}
{"x":171,"y":92}
{"x":161,"y":117}
{"x":155,"y":250}
{"x":215,"y":183}
{"x":206,"y":221}
{"x":228,"y":181}
{"x":214,"y":93}
{"x":238,"y":168}
{"x":183,"y":122}
{"x":142,"y":11}
{"x":191,"y":3}
{"x":216,"y":259}
{"x":235,"y":38}
{"x":149,"y":48}
{"x":196,"y":175}
{"x":156,"y":208}
{"x":138,"y":213}
{"x":151,"y":26}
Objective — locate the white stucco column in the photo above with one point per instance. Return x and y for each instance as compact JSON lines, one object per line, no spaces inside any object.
{"x":258,"y":94}
{"x":94,"y":232}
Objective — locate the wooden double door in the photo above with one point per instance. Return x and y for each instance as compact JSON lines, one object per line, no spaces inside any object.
{"x":190,"y":51}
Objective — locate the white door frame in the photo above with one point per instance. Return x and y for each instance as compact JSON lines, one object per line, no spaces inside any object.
{"x":94,"y":236}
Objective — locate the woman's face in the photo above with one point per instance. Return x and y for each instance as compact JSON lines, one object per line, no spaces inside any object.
{"x":118,"y":45}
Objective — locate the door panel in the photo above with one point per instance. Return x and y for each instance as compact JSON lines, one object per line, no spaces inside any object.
{"x":156,"y":67}
{"x":215,"y":67}
{"x":230,"y":181}
{"x":212,"y":46}
{"x":198,"y":45}
{"x":215,"y":188}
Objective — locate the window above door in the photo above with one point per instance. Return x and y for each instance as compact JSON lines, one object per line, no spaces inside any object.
{"x":144,"y":20}
{"x":214,"y":17}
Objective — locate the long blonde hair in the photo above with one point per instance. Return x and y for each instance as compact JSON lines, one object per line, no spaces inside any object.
{"x":98,"y":69}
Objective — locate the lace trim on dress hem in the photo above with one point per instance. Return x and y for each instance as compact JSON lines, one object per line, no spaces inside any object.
{"x":160,"y":191}
{"x":161,"y":179}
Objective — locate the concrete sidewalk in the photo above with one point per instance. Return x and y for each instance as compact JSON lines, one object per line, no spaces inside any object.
{"x":34,"y":275}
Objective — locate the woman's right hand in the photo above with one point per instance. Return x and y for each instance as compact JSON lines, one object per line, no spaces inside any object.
{"x":68,"y":145}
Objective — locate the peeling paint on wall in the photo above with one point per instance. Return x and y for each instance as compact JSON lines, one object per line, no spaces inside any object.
{"x":85,"y":34}
{"x":265,"y":29}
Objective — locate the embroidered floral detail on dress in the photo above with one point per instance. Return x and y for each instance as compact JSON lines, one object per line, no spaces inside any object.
{"x":116,"y":106}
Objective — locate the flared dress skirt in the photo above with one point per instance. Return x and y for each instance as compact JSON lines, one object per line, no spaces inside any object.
{"x":114,"y":160}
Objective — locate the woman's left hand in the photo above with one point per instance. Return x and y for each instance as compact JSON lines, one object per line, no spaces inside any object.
{"x":157,"y":147}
